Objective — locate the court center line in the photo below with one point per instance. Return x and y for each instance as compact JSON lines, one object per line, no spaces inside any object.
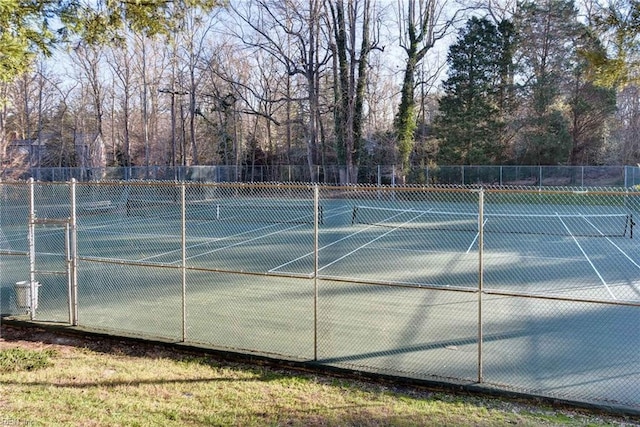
{"x":247,"y":241}
{"x":219,"y":239}
{"x":334,"y":243}
{"x":370,"y":242}
{"x":587,"y":257}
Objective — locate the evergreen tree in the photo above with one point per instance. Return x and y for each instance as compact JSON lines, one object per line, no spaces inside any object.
{"x":618,"y":22}
{"x":547,"y":32}
{"x":471,"y":126}
{"x":24,"y":31}
{"x":591,"y":105}
{"x":563,"y":113}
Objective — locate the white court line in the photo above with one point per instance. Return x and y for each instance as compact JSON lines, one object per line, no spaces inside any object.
{"x":219,"y":239}
{"x":206,"y":242}
{"x":587,"y":257}
{"x":616,"y":246}
{"x":15,"y":238}
{"x":473,"y":242}
{"x":319,"y":249}
{"x":127,"y":235}
{"x":249,"y":240}
{"x":370,"y":242}
{"x":211,"y":240}
{"x":240,"y":243}
{"x":340,"y":240}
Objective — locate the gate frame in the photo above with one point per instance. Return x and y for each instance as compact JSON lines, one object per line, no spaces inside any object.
{"x":70,"y":254}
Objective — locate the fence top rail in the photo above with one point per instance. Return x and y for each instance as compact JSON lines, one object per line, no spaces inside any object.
{"x":594,"y":192}
{"x":283,"y":185}
{"x":233,"y":185}
{"x":574,"y":191}
{"x":539,"y":296}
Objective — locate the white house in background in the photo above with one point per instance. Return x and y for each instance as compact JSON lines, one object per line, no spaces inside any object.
{"x":89,"y":150}
{"x":23,"y":152}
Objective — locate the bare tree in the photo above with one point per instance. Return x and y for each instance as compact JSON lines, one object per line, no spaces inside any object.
{"x":627,"y":132}
{"x":192,"y":50}
{"x":60,"y":150}
{"x":422,"y":24}
{"x":54,"y":131}
{"x":18,"y":116}
{"x":4,"y":112}
{"x":496,"y":10}
{"x":243,"y":89}
{"x":88,"y":62}
{"x":292,"y":33}
{"x":29,"y":104}
{"x":120,"y":62}
{"x":354,"y":40}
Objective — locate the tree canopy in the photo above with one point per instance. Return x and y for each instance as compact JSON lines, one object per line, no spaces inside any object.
{"x":24,"y":31}
{"x":29,"y":27}
{"x":618,"y":22}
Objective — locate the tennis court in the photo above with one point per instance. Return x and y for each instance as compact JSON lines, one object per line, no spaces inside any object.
{"x":374,"y":279}
{"x":578,"y":251}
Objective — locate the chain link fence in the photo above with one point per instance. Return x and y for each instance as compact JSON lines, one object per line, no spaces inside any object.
{"x":535,"y":292}
{"x":486,"y":176}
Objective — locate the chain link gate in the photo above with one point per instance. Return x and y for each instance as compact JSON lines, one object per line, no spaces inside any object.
{"x":49,"y":293}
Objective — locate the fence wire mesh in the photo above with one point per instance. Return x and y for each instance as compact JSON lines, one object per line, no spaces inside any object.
{"x":532,"y":291}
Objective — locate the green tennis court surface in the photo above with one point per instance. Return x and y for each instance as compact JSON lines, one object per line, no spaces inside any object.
{"x":568,"y":253}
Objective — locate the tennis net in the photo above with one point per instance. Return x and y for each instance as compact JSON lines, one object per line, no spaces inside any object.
{"x":208,"y":210}
{"x":592,"y":225}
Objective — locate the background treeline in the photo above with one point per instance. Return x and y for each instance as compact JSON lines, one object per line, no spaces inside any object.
{"x":354,"y":83}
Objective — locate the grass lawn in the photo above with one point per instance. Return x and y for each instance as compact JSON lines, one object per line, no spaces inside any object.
{"x":47,"y":379}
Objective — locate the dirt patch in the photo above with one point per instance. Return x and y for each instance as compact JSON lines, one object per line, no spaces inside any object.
{"x":34,"y":338}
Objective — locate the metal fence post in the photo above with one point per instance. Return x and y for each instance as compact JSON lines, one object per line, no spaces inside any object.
{"x":480,"y":278}
{"x":32,"y":247}
{"x":73,"y":246}
{"x":626,"y":183}
{"x":183,"y":204}
{"x":316,"y":222}
{"x":540,"y":177}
